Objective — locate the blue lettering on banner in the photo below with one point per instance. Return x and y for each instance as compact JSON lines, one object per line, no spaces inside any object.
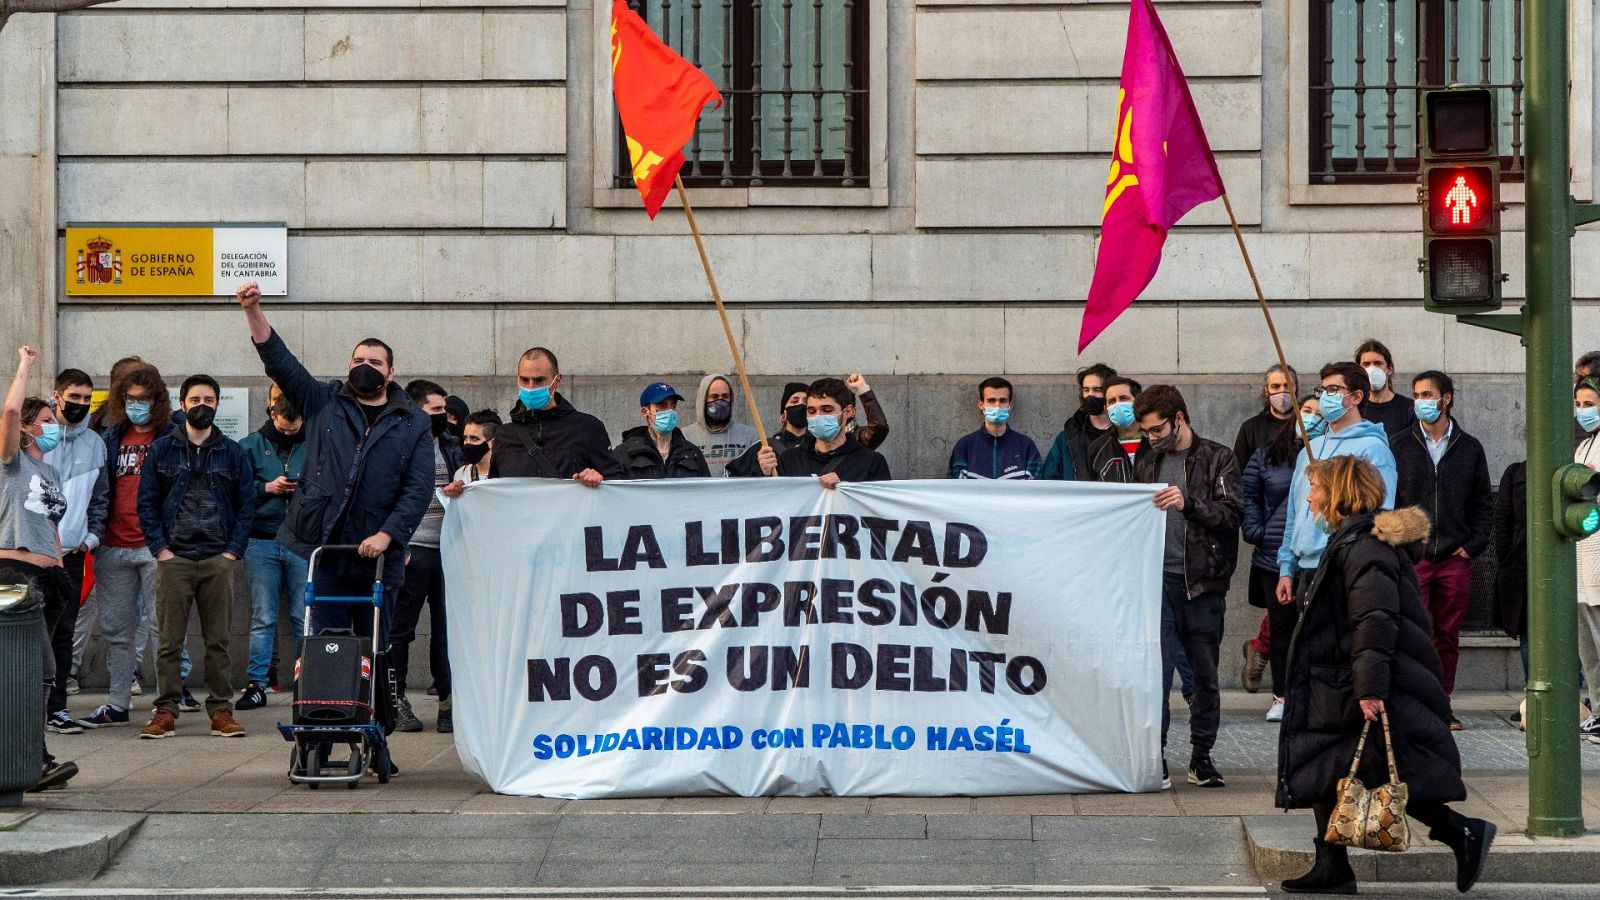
{"x":1001,"y":738}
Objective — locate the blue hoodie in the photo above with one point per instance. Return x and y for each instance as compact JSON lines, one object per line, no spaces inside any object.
{"x":1303,"y":539}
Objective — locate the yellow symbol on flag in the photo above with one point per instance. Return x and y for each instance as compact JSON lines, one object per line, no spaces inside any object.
{"x":1116,"y":180}
{"x":644,"y":161}
{"x":616,"y":46}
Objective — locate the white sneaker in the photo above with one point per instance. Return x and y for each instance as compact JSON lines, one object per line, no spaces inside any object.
{"x":1591,"y":729}
{"x":1275,"y":714}
{"x":137,"y":688}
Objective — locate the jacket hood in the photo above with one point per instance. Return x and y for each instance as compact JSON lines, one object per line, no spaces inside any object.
{"x":850,"y":445}
{"x":697,"y":415}
{"x":1361,"y":431}
{"x":71,"y":432}
{"x":1400,"y":527}
{"x":520,"y":413}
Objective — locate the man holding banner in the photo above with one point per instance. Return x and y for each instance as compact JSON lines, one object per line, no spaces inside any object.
{"x":834,"y":455}
{"x":548,"y":437}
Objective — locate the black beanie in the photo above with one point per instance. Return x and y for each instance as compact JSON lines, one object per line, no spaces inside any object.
{"x":789,"y":390}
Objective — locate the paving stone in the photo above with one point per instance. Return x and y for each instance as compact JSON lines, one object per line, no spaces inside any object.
{"x":924,"y":862}
{"x":874,"y":826}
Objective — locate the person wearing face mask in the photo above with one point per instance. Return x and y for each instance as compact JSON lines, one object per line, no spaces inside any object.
{"x":79,"y":460}
{"x":1204,"y":504}
{"x":31,"y":509}
{"x":832,"y":454}
{"x":374,"y":498}
{"x":1340,"y":394}
{"x":996,"y":450}
{"x":277,"y":454}
{"x":792,"y":415}
{"x":1068,"y":459}
{"x":1277,"y":407}
{"x":1384,"y":405}
{"x":477,"y":447}
{"x":1266,"y":481}
{"x":1112,"y":456}
{"x":456,"y":412}
{"x":547,"y":436}
{"x":876,"y":430}
{"x":1443,"y":470}
{"x":197,"y":500}
{"x":658,"y":449}
{"x":712,"y":429}
{"x":138,"y":412}
{"x":1586,"y":412}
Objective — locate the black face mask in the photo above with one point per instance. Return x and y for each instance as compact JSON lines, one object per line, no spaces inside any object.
{"x":73,"y":413}
{"x":459,"y":429}
{"x":795,"y":415}
{"x":718,"y":412}
{"x":438,"y":423}
{"x":366,"y":381}
{"x":200,"y":417}
{"x":1094,"y":406}
{"x":474,"y":453}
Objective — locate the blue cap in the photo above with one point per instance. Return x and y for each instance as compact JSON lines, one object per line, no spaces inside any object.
{"x":658,"y":392}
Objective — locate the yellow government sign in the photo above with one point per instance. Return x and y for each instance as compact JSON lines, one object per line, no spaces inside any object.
{"x":174,"y":260}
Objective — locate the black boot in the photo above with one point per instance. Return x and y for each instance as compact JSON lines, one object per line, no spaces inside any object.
{"x":1330,"y":875}
{"x":1470,"y":839}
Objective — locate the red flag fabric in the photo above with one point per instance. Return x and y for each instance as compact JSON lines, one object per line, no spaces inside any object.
{"x":1161,"y":167}
{"x":659,"y":97}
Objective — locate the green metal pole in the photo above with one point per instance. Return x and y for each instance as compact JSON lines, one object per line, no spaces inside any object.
{"x":1554,"y":777}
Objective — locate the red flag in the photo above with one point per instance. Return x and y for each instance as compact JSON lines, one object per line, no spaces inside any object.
{"x":659,"y":97}
{"x":1161,"y":167}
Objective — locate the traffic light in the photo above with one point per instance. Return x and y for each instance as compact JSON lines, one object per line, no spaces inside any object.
{"x":1460,"y":195}
{"x":1577,"y":494}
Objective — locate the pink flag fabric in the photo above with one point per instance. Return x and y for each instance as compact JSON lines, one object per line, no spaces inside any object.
{"x":1161,"y":167}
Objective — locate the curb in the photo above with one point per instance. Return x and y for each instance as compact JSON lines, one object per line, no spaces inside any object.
{"x":1280,"y":847}
{"x":58,"y":846}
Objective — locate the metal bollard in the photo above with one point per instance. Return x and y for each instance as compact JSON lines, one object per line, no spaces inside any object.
{"x":21,"y":695}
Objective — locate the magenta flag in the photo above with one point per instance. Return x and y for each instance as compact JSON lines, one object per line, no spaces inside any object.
{"x":1161,"y":167}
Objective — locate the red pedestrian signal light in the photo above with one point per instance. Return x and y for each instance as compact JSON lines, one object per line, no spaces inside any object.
{"x":1459,"y":199}
{"x":1460,"y":196}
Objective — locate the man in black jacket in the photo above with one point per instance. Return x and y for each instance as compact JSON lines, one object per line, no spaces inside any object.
{"x":658,"y":449}
{"x":792,"y":409}
{"x":1204,"y":504}
{"x":547,"y":437}
{"x":833,"y":455}
{"x":1112,"y":455}
{"x":1068,"y":459}
{"x":369,"y":469}
{"x":1443,"y":470}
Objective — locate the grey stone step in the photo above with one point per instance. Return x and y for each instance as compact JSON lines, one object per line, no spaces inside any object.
{"x":56,"y":846}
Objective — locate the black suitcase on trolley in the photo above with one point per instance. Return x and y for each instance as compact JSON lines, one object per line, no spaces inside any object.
{"x":333,"y":680}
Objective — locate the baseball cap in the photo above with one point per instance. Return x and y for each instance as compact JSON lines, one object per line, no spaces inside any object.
{"x":658,"y":392}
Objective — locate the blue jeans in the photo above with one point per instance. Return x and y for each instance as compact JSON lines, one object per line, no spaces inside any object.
{"x":273,"y":568}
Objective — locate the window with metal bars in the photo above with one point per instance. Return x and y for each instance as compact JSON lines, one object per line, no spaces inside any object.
{"x":793,"y":77}
{"x":1369,"y":61}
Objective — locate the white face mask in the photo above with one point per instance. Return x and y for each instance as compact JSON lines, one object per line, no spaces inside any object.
{"x":1378,"y":377}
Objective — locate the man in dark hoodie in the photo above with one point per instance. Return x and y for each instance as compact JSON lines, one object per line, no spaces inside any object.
{"x":833,"y":455}
{"x":1443,"y":470}
{"x":197,"y":498}
{"x":658,"y":449}
{"x":1068,"y":459}
{"x":277,"y":454}
{"x":712,"y":428}
{"x":547,"y":437}
{"x":995,"y":451}
{"x":792,"y":415}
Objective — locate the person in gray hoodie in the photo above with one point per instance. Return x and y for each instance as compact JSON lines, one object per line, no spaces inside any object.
{"x":713,"y":430}
{"x":1344,"y":387}
{"x":80,"y":460}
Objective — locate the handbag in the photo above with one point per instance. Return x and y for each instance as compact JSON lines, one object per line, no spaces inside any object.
{"x":1371,"y":819}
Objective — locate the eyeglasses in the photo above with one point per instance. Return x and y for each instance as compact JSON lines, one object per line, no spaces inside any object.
{"x":1336,"y":390}
{"x":1157,"y":432}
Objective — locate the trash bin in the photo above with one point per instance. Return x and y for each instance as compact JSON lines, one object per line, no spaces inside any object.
{"x":21,"y":693}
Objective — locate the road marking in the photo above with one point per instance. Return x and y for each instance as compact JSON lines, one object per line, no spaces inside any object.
{"x":998,"y":892}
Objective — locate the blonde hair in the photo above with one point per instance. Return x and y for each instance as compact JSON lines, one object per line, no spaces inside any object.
{"x":1351,"y":485}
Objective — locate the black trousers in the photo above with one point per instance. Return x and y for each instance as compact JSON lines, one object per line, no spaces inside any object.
{"x":1281,"y":619}
{"x":424,"y":584}
{"x":60,"y":620}
{"x":1195,"y":626}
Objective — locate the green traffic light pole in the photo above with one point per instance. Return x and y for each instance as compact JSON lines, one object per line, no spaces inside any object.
{"x":1554,"y":774}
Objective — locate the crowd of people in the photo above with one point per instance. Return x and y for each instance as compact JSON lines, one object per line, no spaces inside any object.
{"x":167,"y":508}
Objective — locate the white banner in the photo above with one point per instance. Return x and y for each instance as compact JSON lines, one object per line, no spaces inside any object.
{"x":771,"y":637}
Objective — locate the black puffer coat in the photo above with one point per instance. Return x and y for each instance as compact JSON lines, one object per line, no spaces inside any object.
{"x":1364,"y":633}
{"x":639,"y":458}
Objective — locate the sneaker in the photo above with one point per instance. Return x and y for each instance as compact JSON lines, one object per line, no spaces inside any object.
{"x":1203,"y":773}
{"x":107,"y":716}
{"x":1166,"y":777}
{"x":223,"y":725}
{"x":1455,"y":724}
{"x":447,"y":722}
{"x":55,"y":776}
{"x":161,"y":725}
{"x":1275,"y":713}
{"x":433,"y":690}
{"x":1590,"y":729}
{"x":72,"y":686}
{"x":1255,"y":665}
{"x":252,"y":697}
{"x":404,"y":718}
{"x":188,"y":703}
{"x":138,"y":689}
{"x":62,"y":722}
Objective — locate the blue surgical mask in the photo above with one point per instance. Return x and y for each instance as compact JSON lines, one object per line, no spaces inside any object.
{"x":1314,"y":424}
{"x":1120,"y":414}
{"x":138,"y":411}
{"x":996,"y":415}
{"x":50,"y":439}
{"x":534,"y":398}
{"x":823,"y":427}
{"x":1331,"y":406}
{"x":1588,"y":417}
{"x":665,"y":421}
{"x":1427,"y":410}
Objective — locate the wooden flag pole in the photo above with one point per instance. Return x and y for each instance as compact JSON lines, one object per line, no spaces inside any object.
{"x":1267,"y":312}
{"x":711,"y":279}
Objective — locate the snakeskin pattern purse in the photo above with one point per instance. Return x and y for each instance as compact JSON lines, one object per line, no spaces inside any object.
{"x":1371,"y":819}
